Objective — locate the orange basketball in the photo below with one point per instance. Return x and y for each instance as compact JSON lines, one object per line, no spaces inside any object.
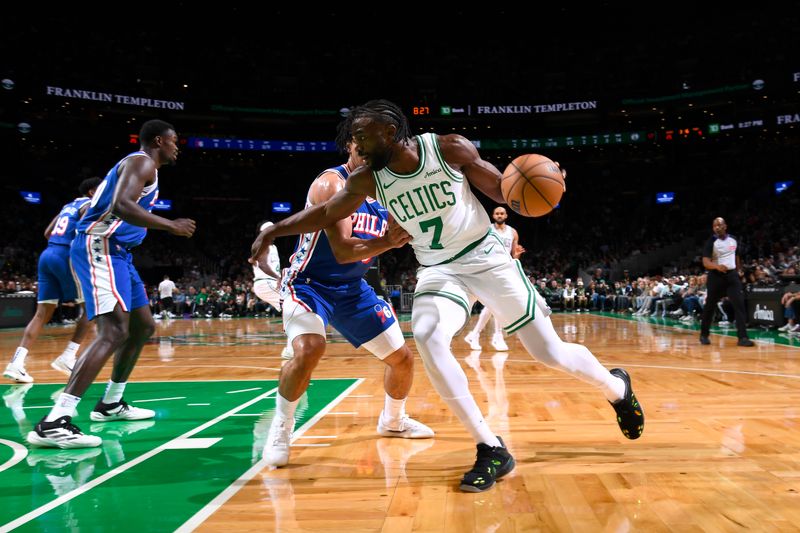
{"x":532,"y":185}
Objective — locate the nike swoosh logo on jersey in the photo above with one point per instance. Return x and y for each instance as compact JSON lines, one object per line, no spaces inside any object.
{"x":389,"y":184}
{"x":489,"y":249}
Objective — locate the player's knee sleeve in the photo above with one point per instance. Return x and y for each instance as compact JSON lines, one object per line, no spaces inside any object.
{"x":302,"y":324}
{"x":386,"y":343}
{"x":434,"y":321}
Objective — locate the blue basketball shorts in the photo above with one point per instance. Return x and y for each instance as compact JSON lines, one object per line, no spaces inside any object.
{"x":106,"y":274}
{"x":352,"y":308}
{"x":56,"y":282}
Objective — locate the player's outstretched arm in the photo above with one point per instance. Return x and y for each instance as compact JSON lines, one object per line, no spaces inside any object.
{"x":135,"y":173}
{"x":345,"y":247}
{"x":463,"y":156}
{"x":342,"y":204}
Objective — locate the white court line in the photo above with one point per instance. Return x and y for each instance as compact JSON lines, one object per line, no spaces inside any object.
{"x":196,"y":404}
{"x":242,"y":390}
{"x":720,"y":371}
{"x":159,"y":399}
{"x":24,"y":519}
{"x":361,"y":395}
{"x":38,"y":406}
{"x":344,"y":413}
{"x":228,"y":493}
{"x":193,"y":444}
{"x":20,"y":452}
{"x":310,"y":445}
{"x":248,"y":414}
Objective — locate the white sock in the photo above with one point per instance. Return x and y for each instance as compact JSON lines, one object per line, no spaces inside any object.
{"x":543,"y":343}
{"x":284,"y":407}
{"x":498,"y":329}
{"x":19,"y":356}
{"x":393,"y":409}
{"x":434,"y":321}
{"x":65,"y":406}
{"x":71,"y":350}
{"x":483,"y":318}
{"x":114,"y":391}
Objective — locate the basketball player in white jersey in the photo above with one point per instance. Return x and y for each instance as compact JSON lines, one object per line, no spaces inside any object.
{"x":510,"y":239}
{"x":425,"y":183}
{"x":266,"y":286}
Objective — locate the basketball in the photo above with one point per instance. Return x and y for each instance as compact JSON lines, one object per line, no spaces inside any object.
{"x":532,"y":185}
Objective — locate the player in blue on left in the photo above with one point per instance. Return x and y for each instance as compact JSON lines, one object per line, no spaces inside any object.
{"x":56,"y":283}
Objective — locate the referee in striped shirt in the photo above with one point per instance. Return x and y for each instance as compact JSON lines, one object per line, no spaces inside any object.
{"x":722,"y":268}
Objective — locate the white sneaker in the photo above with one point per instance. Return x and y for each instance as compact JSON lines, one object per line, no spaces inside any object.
{"x":499,"y":360}
{"x":17,"y":373}
{"x":279,"y":439}
{"x":123,"y":429}
{"x":61,"y":433}
{"x":474,"y":360}
{"x":795,"y":328}
{"x":108,"y":412}
{"x":471,"y":338}
{"x":58,"y":461}
{"x":16,"y":394}
{"x":287,"y":352}
{"x":499,"y":343}
{"x":787,"y":327}
{"x":405,"y":428}
{"x":64,"y":363}
{"x":724,"y":323}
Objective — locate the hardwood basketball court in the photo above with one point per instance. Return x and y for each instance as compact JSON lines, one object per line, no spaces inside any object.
{"x":719,"y":451}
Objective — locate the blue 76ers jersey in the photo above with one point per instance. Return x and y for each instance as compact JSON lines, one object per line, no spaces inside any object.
{"x":313,"y":257}
{"x":66,"y":222}
{"x":99,"y":220}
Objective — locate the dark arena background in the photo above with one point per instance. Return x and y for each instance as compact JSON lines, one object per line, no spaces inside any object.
{"x":663,"y":121}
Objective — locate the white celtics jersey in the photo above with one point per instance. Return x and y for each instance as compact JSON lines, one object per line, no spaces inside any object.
{"x":273,"y":259}
{"x":435,"y":205}
{"x":506,"y":235}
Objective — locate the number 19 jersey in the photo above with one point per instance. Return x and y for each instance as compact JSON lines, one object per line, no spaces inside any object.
{"x":64,"y":230}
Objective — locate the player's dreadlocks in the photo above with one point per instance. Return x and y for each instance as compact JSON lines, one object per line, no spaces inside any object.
{"x":382,"y":111}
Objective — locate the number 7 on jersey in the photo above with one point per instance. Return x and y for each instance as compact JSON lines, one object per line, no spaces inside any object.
{"x":436,"y":224}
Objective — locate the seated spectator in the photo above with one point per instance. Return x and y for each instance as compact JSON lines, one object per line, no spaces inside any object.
{"x":568,"y":295}
{"x":580,"y":296}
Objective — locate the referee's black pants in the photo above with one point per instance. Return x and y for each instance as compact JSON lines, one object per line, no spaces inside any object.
{"x":724,"y":284}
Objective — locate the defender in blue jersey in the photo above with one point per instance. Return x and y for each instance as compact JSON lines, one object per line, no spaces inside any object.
{"x":324,"y":285}
{"x":56,"y":284}
{"x":116,"y":221}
